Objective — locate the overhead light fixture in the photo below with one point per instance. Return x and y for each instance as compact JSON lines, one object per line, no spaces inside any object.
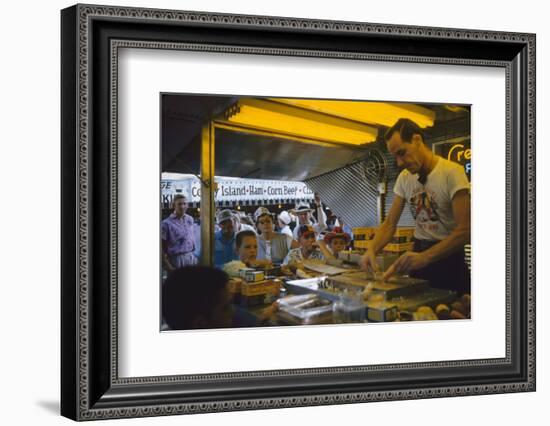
{"x":457,"y":108}
{"x":378,"y":113}
{"x":291,"y":120}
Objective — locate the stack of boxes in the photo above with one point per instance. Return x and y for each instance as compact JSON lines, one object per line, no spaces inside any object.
{"x":234,"y":287}
{"x":402,"y":240}
{"x":361,"y":237}
{"x":254,"y":288}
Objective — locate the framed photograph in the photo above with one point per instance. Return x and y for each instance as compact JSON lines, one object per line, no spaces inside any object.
{"x":263,"y":212}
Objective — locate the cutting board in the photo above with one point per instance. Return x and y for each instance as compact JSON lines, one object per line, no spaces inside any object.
{"x":323,"y":268}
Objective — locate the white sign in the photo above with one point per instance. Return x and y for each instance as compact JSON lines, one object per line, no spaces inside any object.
{"x":231,"y":189}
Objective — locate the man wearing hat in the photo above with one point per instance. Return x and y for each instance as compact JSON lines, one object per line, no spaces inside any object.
{"x":303,"y":211}
{"x":224,"y":239}
{"x":240,"y":224}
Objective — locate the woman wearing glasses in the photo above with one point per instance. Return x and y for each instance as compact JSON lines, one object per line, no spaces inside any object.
{"x":272,"y":245}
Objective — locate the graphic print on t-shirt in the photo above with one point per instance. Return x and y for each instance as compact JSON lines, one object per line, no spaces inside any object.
{"x":424,"y":209}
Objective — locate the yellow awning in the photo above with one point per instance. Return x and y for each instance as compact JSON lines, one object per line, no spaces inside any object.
{"x":274,"y":116}
{"x":376,"y":113}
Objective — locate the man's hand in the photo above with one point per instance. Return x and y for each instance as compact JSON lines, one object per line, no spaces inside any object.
{"x":285,"y":269}
{"x":167,"y":265}
{"x":409,"y":261}
{"x":294,"y":265}
{"x":317,"y":199}
{"x":368,"y":261}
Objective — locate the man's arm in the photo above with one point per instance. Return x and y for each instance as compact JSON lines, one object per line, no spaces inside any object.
{"x":384,"y":233}
{"x":324,"y":249}
{"x":461,"y":234}
{"x":164,"y":235}
{"x":291,"y":243}
{"x":321,"y":215}
{"x":165,"y":259}
{"x":411,"y":261}
{"x":321,"y":224}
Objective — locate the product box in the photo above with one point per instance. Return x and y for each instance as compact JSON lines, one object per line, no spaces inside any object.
{"x":252,"y":300}
{"x":382,"y":312}
{"x":254,"y":276}
{"x":260,"y":287}
{"x":403,"y":235}
{"x":399,"y":248}
{"x":404,"y":231}
{"x":243,"y":271}
{"x":361,"y":244}
{"x":234,"y":285}
{"x":360,"y":234}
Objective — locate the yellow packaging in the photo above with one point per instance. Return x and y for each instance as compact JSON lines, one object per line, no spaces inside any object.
{"x":363,"y":230}
{"x":361,"y":244}
{"x":234,"y":285}
{"x":254,"y":276}
{"x":404,"y":232}
{"x":398,"y":248}
{"x":260,"y":287}
{"x":382,"y":313}
{"x":363,"y":233}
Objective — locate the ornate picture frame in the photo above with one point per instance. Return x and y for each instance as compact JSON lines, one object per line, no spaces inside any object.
{"x":91,"y":386}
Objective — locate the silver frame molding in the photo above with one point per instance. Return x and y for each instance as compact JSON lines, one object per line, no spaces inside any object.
{"x":91,"y":388}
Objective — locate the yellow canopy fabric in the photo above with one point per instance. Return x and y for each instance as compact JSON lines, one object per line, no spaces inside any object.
{"x":338,"y":122}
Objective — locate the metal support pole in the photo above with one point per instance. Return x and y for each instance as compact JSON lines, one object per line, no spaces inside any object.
{"x":381,"y":202}
{"x":207,"y":194}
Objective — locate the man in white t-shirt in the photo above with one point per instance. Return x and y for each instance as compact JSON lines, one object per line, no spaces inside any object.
{"x":438,"y":194}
